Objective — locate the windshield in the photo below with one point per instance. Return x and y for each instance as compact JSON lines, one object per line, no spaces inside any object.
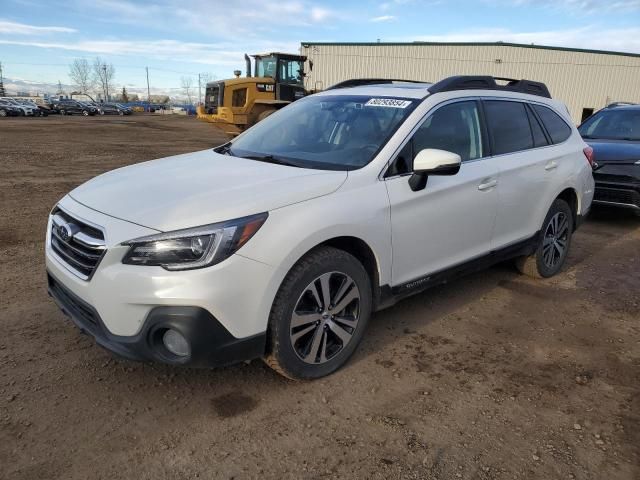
{"x":326,"y":132}
{"x":616,"y":124}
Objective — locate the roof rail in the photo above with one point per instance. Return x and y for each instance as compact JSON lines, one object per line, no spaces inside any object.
{"x":478,"y":82}
{"x":356,"y":82}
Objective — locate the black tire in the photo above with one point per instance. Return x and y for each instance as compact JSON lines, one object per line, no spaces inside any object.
{"x":547,"y":259}
{"x":282,"y":354}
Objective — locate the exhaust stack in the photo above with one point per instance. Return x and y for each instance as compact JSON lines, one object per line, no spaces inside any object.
{"x":248,"y":62}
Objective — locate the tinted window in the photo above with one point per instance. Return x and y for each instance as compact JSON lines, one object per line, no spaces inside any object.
{"x":539,"y":139}
{"x":557,"y":128}
{"x":455,"y":128}
{"x":508,"y":125}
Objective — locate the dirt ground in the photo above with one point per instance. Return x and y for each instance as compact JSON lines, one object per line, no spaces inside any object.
{"x":493,"y":376}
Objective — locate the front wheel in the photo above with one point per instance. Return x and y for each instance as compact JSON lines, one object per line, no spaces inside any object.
{"x":553,"y":247}
{"x":319,"y":315}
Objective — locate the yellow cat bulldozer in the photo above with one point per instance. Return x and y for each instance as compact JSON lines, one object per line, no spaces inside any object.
{"x":236,"y":104}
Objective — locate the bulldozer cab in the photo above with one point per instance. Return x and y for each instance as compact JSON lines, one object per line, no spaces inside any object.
{"x":287,"y":72}
{"x":237,"y":103}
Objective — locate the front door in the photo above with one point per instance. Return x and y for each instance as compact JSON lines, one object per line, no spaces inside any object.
{"x":451,"y":220}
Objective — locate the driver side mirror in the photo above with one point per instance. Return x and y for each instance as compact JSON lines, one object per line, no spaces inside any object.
{"x":431,"y":161}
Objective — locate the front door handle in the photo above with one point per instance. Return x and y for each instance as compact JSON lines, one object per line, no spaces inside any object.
{"x":487,"y":184}
{"x":551,"y":165}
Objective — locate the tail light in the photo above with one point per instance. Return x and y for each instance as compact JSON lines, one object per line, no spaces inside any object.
{"x":588,"y":152}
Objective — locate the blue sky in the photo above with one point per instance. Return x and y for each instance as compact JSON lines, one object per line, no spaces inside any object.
{"x":175,"y":38}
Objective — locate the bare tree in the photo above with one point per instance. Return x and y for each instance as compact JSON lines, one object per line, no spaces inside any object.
{"x":187,"y":88}
{"x":81,"y":75}
{"x":104,"y":73}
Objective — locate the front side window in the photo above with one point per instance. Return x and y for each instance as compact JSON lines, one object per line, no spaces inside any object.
{"x":613,"y":124}
{"x":340,"y":132}
{"x":454,"y":128}
{"x":508,"y":126}
{"x":558,"y":130}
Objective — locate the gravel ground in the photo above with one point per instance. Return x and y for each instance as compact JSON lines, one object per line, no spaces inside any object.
{"x":493,"y":376}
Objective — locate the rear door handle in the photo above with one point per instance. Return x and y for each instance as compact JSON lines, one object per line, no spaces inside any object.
{"x":551,"y":165}
{"x":487,"y":184}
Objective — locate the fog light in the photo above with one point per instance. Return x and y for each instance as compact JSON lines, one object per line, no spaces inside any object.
{"x":176,"y":343}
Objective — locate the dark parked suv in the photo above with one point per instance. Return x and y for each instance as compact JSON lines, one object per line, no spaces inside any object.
{"x":614,"y":135}
{"x":72,"y":107}
{"x":114,"y":109}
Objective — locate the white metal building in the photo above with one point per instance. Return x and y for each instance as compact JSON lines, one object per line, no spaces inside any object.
{"x":586,"y":80}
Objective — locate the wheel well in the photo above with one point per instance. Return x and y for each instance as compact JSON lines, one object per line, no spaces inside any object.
{"x":359,"y":249}
{"x":569,"y":195}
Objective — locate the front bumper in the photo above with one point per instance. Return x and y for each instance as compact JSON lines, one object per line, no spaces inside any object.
{"x":211,"y":344}
{"x":618,"y":185}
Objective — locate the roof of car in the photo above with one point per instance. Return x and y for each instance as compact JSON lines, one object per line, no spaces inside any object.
{"x":632,"y":106}
{"x":396,"y":89}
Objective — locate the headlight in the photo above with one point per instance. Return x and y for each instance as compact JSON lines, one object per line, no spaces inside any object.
{"x":193,"y":247}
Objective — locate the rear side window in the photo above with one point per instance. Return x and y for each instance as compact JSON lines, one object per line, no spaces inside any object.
{"x":557,"y":128}
{"x":508,"y":125}
{"x":539,"y":139}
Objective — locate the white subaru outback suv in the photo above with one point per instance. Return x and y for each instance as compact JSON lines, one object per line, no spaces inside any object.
{"x":281,"y":243}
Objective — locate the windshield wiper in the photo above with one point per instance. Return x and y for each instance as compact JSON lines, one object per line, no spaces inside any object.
{"x":270,"y":159}
{"x":224,"y":149}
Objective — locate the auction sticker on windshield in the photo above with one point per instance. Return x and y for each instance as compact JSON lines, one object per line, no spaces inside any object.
{"x":388,"y":102}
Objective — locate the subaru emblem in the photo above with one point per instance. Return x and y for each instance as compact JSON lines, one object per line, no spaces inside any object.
{"x":65,"y":232}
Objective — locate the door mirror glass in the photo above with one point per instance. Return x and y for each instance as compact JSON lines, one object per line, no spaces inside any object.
{"x":432,"y":161}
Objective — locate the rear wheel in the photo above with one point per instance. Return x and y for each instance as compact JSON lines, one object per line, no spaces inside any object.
{"x":319,"y":315}
{"x":3,"y":113}
{"x":553,"y":247}
{"x":85,"y":113}
{"x":62,"y":112}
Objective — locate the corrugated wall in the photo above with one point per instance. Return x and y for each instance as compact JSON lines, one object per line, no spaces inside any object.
{"x":580,"y":79}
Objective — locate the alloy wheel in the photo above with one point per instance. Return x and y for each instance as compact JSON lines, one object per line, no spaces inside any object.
{"x":554,"y":243}
{"x":325,"y":317}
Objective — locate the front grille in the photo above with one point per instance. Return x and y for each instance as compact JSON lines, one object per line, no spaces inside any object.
{"x":617,"y":195}
{"x":77,"y":244}
{"x":83,"y":312}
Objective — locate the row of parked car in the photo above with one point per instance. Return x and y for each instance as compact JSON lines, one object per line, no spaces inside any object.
{"x":15,"y":107}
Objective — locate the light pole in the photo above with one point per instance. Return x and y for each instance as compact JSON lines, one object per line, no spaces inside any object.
{"x":106,"y":81}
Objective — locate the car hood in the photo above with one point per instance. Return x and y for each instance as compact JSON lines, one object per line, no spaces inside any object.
{"x":615,"y":151}
{"x":201,"y":188}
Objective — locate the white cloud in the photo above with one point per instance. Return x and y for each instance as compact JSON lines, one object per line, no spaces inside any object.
{"x":589,"y":37}
{"x":14,"y":28}
{"x":222,"y":54}
{"x":383,"y":18}
{"x":578,"y":6}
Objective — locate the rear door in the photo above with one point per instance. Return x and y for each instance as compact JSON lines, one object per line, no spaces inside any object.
{"x":450,"y":221}
{"x":527,"y":167}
